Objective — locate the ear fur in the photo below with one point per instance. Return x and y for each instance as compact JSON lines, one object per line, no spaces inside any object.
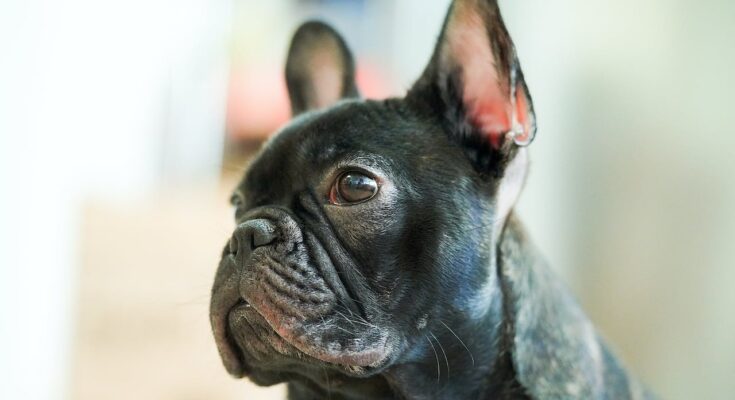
{"x":475,"y":81}
{"x":320,"y":70}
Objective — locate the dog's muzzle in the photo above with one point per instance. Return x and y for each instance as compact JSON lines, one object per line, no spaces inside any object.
{"x":278,"y":296}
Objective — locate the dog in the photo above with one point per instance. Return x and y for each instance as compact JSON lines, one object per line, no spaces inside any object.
{"x":376,"y":253}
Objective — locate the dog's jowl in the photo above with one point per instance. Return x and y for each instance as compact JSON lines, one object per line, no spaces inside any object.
{"x":376,"y":253}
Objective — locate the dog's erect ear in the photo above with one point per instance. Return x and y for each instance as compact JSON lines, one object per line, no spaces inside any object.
{"x":475,"y":82}
{"x":320,"y":69}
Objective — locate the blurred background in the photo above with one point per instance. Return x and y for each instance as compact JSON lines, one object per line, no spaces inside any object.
{"x":124,"y":124}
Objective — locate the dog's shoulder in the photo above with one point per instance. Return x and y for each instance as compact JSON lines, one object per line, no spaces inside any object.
{"x":556,"y":351}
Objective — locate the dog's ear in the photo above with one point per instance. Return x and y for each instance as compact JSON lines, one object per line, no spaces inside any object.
{"x":475,"y":84}
{"x":320,"y":69}
{"x":474,"y":80}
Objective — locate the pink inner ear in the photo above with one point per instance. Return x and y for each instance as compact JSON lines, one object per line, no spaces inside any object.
{"x":491,"y":117}
{"x":325,"y":69}
{"x":486,"y":95}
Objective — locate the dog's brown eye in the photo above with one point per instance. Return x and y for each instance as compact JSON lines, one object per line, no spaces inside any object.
{"x":353,"y":187}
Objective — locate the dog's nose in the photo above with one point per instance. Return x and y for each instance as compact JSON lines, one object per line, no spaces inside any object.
{"x":252,"y":234}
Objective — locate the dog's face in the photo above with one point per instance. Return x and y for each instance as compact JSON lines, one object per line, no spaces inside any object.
{"x":361,"y":225}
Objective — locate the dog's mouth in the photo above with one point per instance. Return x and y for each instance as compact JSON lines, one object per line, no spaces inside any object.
{"x":256,"y":343}
{"x":249,"y":341}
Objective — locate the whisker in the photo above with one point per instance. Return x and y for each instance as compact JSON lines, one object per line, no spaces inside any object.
{"x":345,"y":330}
{"x":446,"y":360}
{"x":460,"y":341}
{"x":329,"y":386}
{"x":346,"y":318}
{"x":356,"y":318}
{"x":438,"y":368}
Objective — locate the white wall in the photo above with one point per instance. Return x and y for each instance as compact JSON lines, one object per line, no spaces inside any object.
{"x":97,"y":99}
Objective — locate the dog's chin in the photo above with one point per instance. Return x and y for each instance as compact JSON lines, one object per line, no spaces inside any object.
{"x":269,"y":351}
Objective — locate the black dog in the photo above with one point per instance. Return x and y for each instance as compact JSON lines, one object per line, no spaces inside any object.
{"x":376,"y":253}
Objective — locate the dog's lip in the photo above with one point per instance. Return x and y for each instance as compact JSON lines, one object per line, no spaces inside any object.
{"x":229,"y":351}
{"x":358,"y":363}
{"x":366,"y":358}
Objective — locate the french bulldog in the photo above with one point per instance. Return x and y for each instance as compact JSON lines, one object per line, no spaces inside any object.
{"x":376,"y":253}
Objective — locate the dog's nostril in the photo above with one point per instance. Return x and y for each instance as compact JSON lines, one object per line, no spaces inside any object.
{"x":253,"y":233}
{"x":262,"y":237}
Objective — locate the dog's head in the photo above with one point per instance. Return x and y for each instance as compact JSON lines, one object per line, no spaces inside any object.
{"x":363,"y":225}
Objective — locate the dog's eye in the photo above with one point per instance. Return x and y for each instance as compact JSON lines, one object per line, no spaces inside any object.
{"x":353,"y":187}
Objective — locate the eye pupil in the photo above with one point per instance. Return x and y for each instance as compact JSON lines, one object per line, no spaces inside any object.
{"x":354,"y":187}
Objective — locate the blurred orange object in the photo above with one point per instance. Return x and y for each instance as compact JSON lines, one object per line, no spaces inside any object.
{"x":258,"y":104}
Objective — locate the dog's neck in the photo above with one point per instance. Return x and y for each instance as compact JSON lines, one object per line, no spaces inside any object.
{"x":462,"y":357}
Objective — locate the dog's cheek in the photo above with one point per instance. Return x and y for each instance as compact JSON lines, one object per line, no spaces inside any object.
{"x":357,"y":225}
{"x":370,"y":228}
